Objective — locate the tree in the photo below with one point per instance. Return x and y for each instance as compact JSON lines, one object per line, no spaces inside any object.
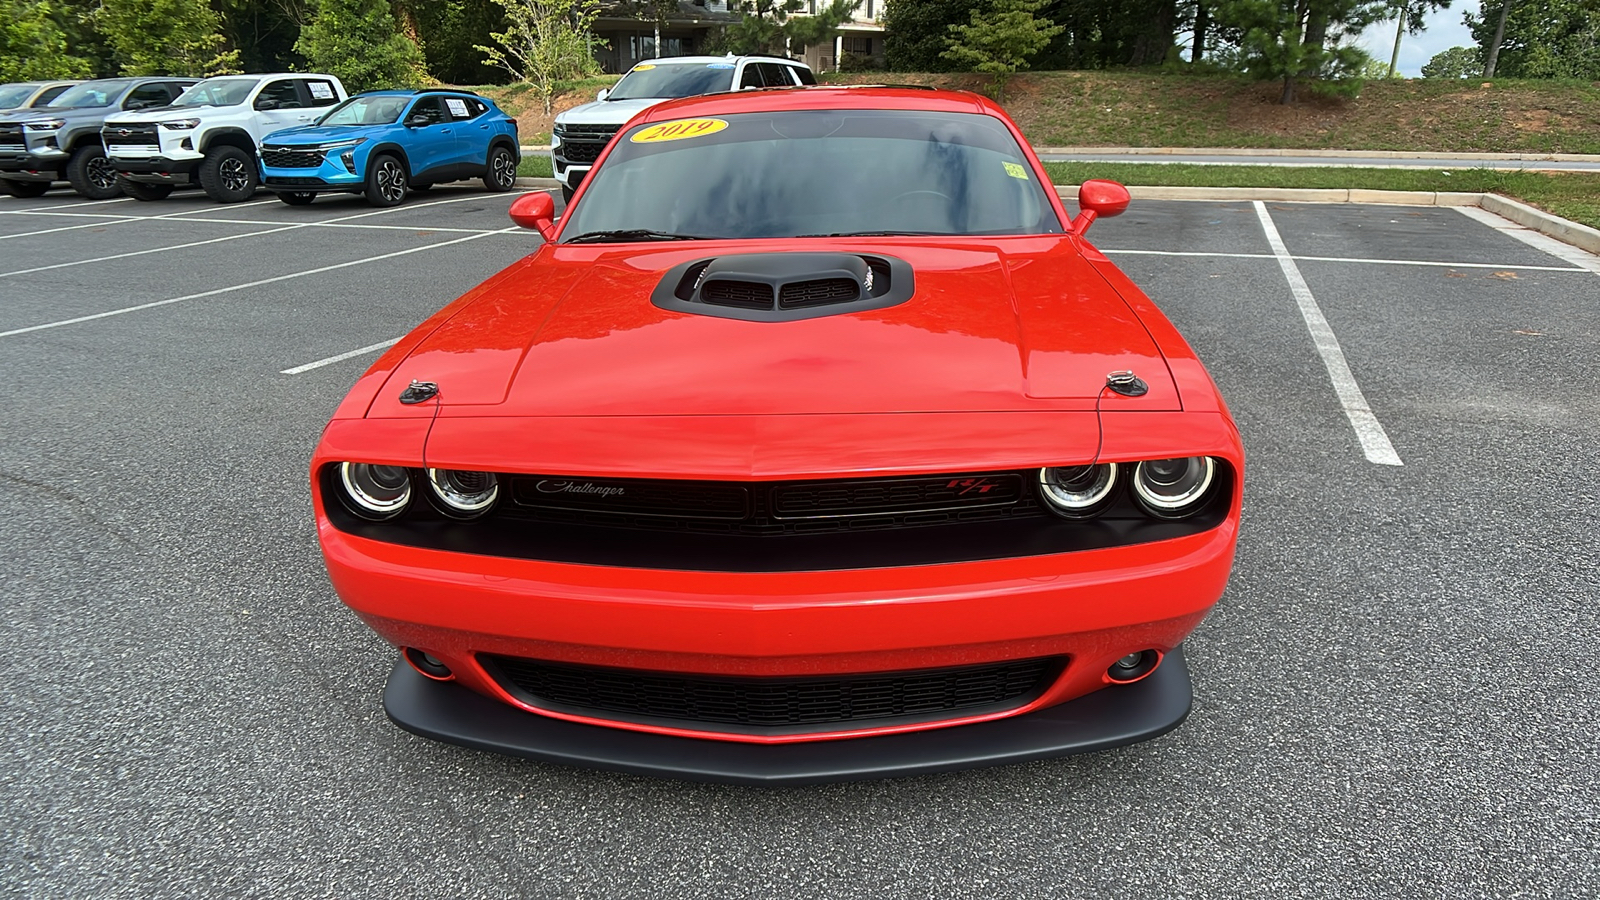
{"x":166,"y":37}
{"x":1457,"y":62}
{"x":1551,"y":39}
{"x":1410,"y":18}
{"x":359,"y":42}
{"x":545,"y":41}
{"x":1001,"y":40}
{"x":1294,"y":40}
{"x":771,"y":26}
{"x":33,"y":47}
{"x":915,"y":31}
{"x":454,"y":30}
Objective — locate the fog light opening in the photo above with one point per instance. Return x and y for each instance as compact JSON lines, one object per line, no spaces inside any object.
{"x":427,"y":665}
{"x":1134,"y":666}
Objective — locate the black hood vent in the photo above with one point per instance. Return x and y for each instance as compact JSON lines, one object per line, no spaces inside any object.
{"x":784,"y":287}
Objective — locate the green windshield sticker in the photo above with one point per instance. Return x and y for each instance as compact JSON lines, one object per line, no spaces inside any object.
{"x":1016,"y":171}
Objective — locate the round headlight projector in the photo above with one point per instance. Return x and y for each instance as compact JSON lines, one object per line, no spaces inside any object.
{"x":1173,"y":488}
{"x":375,"y":492}
{"x":1078,"y":490}
{"x":464,"y":494}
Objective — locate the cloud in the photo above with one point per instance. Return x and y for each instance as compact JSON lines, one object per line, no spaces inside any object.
{"x":1444,"y":30}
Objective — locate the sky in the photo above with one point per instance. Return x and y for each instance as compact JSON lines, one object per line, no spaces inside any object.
{"x":1444,"y":30}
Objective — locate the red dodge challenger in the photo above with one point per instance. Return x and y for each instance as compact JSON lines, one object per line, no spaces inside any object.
{"x":815,"y":443}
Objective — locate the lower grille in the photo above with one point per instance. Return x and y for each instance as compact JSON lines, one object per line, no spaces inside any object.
{"x":293,"y":182}
{"x":775,"y":705}
{"x":291,"y":158}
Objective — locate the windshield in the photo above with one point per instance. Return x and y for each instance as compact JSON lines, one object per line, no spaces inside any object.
{"x":815,"y":172}
{"x":673,"y":80}
{"x":13,"y":95}
{"x":217,"y":92}
{"x":92,"y":93}
{"x":367,"y":111}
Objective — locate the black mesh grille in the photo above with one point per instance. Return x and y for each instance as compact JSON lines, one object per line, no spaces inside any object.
{"x":801,"y":294}
{"x":803,"y":704}
{"x":10,"y":137}
{"x":897,"y":495}
{"x":583,"y":143}
{"x":741,"y":294}
{"x":130,"y":136}
{"x":291,"y":157}
{"x":293,"y":182}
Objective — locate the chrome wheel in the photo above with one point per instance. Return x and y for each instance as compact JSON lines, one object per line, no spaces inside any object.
{"x":505,"y":169}
{"x":391,"y":181}
{"x":232,"y":174}
{"x":102,"y":174}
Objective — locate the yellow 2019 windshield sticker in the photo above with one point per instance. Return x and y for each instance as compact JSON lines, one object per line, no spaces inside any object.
{"x":644,"y":67}
{"x":1016,"y":171}
{"x":682,"y":129}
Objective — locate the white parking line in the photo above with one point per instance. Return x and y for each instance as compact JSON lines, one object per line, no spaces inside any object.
{"x":240,"y":287}
{"x":18,"y":212}
{"x":1369,"y":431}
{"x":115,"y":220}
{"x":340,"y":357}
{"x":1587,"y":261}
{"x":1350,"y":259}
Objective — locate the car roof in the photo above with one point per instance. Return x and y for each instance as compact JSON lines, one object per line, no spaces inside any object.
{"x":823,"y":97}
{"x":703,"y":60}
{"x":407,"y":92}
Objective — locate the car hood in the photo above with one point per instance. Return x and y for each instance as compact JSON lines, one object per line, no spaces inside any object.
{"x":317,"y":134}
{"x":608,"y":112}
{"x":165,"y":113}
{"x":1013,"y":324}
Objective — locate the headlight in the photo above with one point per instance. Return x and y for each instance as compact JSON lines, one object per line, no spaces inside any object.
{"x":335,"y":145}
{"x":558,"y":129}
{"x":464,"y":494}
{"x":1174,"y":488}
{"x":1078,"y":491}
{"x":181,"y":124}
{"x":375,"y":492}
{"x":44,"y":124}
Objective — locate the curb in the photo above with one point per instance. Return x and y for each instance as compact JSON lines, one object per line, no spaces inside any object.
{"x":538,"y":183}
{"x":1581,"y":236}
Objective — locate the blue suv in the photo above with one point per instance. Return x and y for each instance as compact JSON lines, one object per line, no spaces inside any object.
{"x":384,"y":144}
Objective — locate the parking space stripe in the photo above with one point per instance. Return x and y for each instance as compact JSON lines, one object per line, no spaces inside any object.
{"x":1347,"y":259}
{"x":1369,"y":431}
{"x":1587,"y":261}
{"x":115,"y":220}
{"x":240,"y":287}
{"x":13,"y":212}
{"x":341,"y":357}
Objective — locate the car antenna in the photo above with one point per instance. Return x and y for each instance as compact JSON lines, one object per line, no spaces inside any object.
{"x":1122,"y":382}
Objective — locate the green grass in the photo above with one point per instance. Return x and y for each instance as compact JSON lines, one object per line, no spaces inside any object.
{"x":1574,"y":196}
{"x":535,"y":167}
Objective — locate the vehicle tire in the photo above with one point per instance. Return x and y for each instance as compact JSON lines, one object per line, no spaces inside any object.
{"x":418,"y":188}
{"x":5,"y":188}
{"x":28,"y":188}
{"x":228,"y":174}
{"x":501,"y":175}
{"x":566,"y":194}
{"x":297,"y":198}
{"x":92,"y":174}
{"x":138,"y":190}
{"x":386,"y":181}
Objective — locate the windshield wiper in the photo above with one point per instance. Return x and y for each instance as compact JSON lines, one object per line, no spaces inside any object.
{"x":882,"y":234}
{"x":633,"y":234}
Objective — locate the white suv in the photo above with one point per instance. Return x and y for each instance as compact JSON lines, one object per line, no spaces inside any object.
{"x":211,"y":132}
{"x":582,"y":132}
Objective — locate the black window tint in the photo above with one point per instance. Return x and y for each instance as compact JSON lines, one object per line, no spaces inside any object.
{"x":320,"y":92}
{"x":279,"y":95}
{"x":431,"y":108}
{"x":50,"y":94}
{"x":146,"y":96}
{"x":776,"y":75}
{"x":806,"y":77}
{"x":751,"y":77}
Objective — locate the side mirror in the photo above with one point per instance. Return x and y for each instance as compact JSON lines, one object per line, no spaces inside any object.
{"x":1098,"y":198}
{"x":418,"y":121}
{"x":604,"y":93}
{"x":537,"y":211}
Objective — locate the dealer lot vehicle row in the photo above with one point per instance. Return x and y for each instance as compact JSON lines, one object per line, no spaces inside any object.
{"x":1391,"y":692}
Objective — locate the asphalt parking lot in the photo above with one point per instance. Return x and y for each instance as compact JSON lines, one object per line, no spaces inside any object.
{"x":1396,"y":697}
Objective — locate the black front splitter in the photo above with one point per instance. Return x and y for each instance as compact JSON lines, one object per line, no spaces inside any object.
{"x":1113,"y":717}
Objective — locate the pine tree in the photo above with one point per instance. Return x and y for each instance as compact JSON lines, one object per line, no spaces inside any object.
{"x":360,"y":43}
{"x":1294,"y":40}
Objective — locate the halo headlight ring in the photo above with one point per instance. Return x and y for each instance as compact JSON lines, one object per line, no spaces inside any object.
{"x":1078,"y":492}
{"x":1174,"y":488}
{"x":463,"y":494}
{"x":374,"y":492}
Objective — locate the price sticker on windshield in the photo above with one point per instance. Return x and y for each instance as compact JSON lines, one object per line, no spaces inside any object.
{"x":681,"y":130}
{"x":1016,"y":171}
{"x":644,"y":67}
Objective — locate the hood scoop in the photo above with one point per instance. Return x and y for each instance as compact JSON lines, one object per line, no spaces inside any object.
{"x":784,"y":287}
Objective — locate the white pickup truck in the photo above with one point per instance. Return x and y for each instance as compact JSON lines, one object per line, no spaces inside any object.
{"x":211,"y":133}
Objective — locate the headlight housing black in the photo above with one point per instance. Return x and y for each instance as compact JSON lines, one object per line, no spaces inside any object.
{"x":464,"y":494}
{"x":1174,"y":488}
{"x":373,"y":491}
{"x":1078,"y":491}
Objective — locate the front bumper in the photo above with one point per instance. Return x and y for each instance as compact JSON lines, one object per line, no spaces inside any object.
{"x":330,"y":175}
{"x":1114,"y":717}
{"x":156,"y":169}
{"x":31,"y":167}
